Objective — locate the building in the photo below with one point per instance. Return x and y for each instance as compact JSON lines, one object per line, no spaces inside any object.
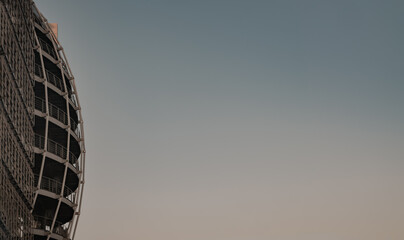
{"x":41,"y":129}
{"x":16,"y":119}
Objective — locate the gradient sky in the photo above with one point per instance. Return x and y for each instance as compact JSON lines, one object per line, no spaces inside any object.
{"x":239,"y":120}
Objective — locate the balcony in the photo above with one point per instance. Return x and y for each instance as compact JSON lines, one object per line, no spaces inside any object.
{"x":51,"y":77}
{"x":57,"y":113}
{"x":55,"y":186}
{"x":55,"y":148}
{"x":54,"y":111}
{"x":49,"y":49}
{"x":45,"y":224}
{"x":55,"y":81}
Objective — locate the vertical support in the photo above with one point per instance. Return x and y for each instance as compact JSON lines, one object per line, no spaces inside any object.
{"x":65,"y":71}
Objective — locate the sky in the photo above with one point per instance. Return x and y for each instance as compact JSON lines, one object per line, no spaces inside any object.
{"x":239,"y":120}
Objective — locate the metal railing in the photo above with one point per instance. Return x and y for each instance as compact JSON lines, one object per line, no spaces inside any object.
{"x":38,"y":70}
{"x":65,"y":69}
{"x":73,"y":100}
{"x":55,"y":148}
{"x":51,"y":77}
{"x":55,"y":186}
{"x":75,"y":127}
{"x":40,"y":104}
{"x":48,"y":48}
{"x":55,"y":80}
{"x":46,"y":224}
{"x":54,"y":111}
{"x":57,"y":113}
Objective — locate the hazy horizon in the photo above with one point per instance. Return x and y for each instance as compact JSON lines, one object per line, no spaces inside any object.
{"x":239,"y":120}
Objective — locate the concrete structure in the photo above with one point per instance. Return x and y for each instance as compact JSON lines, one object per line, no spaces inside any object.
{"x":41,"y":130}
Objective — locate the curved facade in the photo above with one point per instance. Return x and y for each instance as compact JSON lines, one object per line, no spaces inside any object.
{"x":42,"y":150}
{"x":59,"y":139}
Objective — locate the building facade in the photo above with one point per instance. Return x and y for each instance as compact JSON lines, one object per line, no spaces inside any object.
{"x":16,"y":119}
{"x":41,"y":130}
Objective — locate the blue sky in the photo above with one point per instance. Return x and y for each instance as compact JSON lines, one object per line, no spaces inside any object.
{"x":239,"y":120}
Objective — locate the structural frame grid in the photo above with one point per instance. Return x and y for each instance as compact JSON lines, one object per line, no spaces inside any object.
{"x":46,"y":147}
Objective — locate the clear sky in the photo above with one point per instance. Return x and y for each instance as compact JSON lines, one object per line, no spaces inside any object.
{"x":239,"y":120}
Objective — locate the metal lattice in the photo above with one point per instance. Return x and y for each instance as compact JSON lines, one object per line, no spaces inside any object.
{"x":42,"y":152}
{"x":59,"y":139}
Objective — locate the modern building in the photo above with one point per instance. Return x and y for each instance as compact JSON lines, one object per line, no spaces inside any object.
{"x":42,"y":141}
{"x":16,"y":119}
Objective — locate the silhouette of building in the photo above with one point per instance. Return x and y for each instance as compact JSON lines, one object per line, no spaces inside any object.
{"x":42,"y":148}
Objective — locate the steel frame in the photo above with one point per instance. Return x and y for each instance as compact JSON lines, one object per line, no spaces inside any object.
{"x":54,"y":187}
{"x":64,"y":66}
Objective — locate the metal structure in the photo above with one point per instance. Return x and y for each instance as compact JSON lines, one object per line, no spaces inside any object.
{"x":42,"y":148}
{"x":59,"y":139}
